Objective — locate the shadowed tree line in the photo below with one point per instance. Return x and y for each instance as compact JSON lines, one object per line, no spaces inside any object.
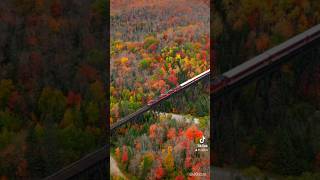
{"x":271,"y":124}
{"x":52,"y":84}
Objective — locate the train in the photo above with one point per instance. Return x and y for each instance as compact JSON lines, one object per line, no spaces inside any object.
{"x":265,"y":59}
{"x":179,"y":87}
{"x":251,"y":66}
{"x":236,"y":74}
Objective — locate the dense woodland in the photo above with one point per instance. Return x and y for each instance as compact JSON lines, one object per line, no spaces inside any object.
{"x":155,"y":46}
{"x":52,"y":84}
{"x":273,"y":126}
{"x":244,"y":29}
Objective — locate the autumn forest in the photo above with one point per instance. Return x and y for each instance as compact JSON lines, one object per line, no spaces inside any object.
{"x":71,"y":69}
{"x":52,"y":84}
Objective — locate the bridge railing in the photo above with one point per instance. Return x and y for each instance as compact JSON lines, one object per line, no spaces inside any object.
{"x":92,"y":166}
{"x":95,"y":165}
{"x":269,"y":116}
{"x":180,"y":111}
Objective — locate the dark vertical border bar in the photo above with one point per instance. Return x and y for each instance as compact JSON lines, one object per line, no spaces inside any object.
{"x":107,"y":34}
{"x":212,"y":69}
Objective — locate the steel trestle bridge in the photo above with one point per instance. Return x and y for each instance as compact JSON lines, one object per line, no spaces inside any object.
{"x":95,"y":166}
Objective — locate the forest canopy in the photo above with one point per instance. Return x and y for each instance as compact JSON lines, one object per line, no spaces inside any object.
{"x":52,"y":84}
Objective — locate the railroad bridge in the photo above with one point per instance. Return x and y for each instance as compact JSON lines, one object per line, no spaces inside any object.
{"x":259,"y":95}
{"x":255,"y":86}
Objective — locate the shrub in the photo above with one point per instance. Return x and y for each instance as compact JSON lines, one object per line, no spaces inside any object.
{"x":149,"y":41}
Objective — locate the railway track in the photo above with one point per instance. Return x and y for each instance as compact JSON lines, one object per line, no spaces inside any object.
{"x":170,"y":93}
{"x":219,"y":85}
{"x":264,"y":62}
{"x":79,"y":168}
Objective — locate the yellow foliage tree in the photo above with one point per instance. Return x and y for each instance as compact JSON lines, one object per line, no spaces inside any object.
{"x":169,"y":161}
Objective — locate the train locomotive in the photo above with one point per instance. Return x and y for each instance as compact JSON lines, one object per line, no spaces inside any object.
{"x":179,"y":87}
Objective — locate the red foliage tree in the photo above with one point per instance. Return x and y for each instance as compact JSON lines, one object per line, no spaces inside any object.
{"x":152,"y":131}
{"x":196,"y":167}
{"x":180,"y":177}
{"x":180,"y":132}
{"x":193,"y":132}
{"x":173,"y":78}
{"x":171,"y":134}
{"x":187,"y":162}
{"x":56,"y":8}
{"x":124,"y":157}
{"x":16,"y":102}
{"x":159,"y":172}
{"x":73,"y":99}
{"x":88,"y":72}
